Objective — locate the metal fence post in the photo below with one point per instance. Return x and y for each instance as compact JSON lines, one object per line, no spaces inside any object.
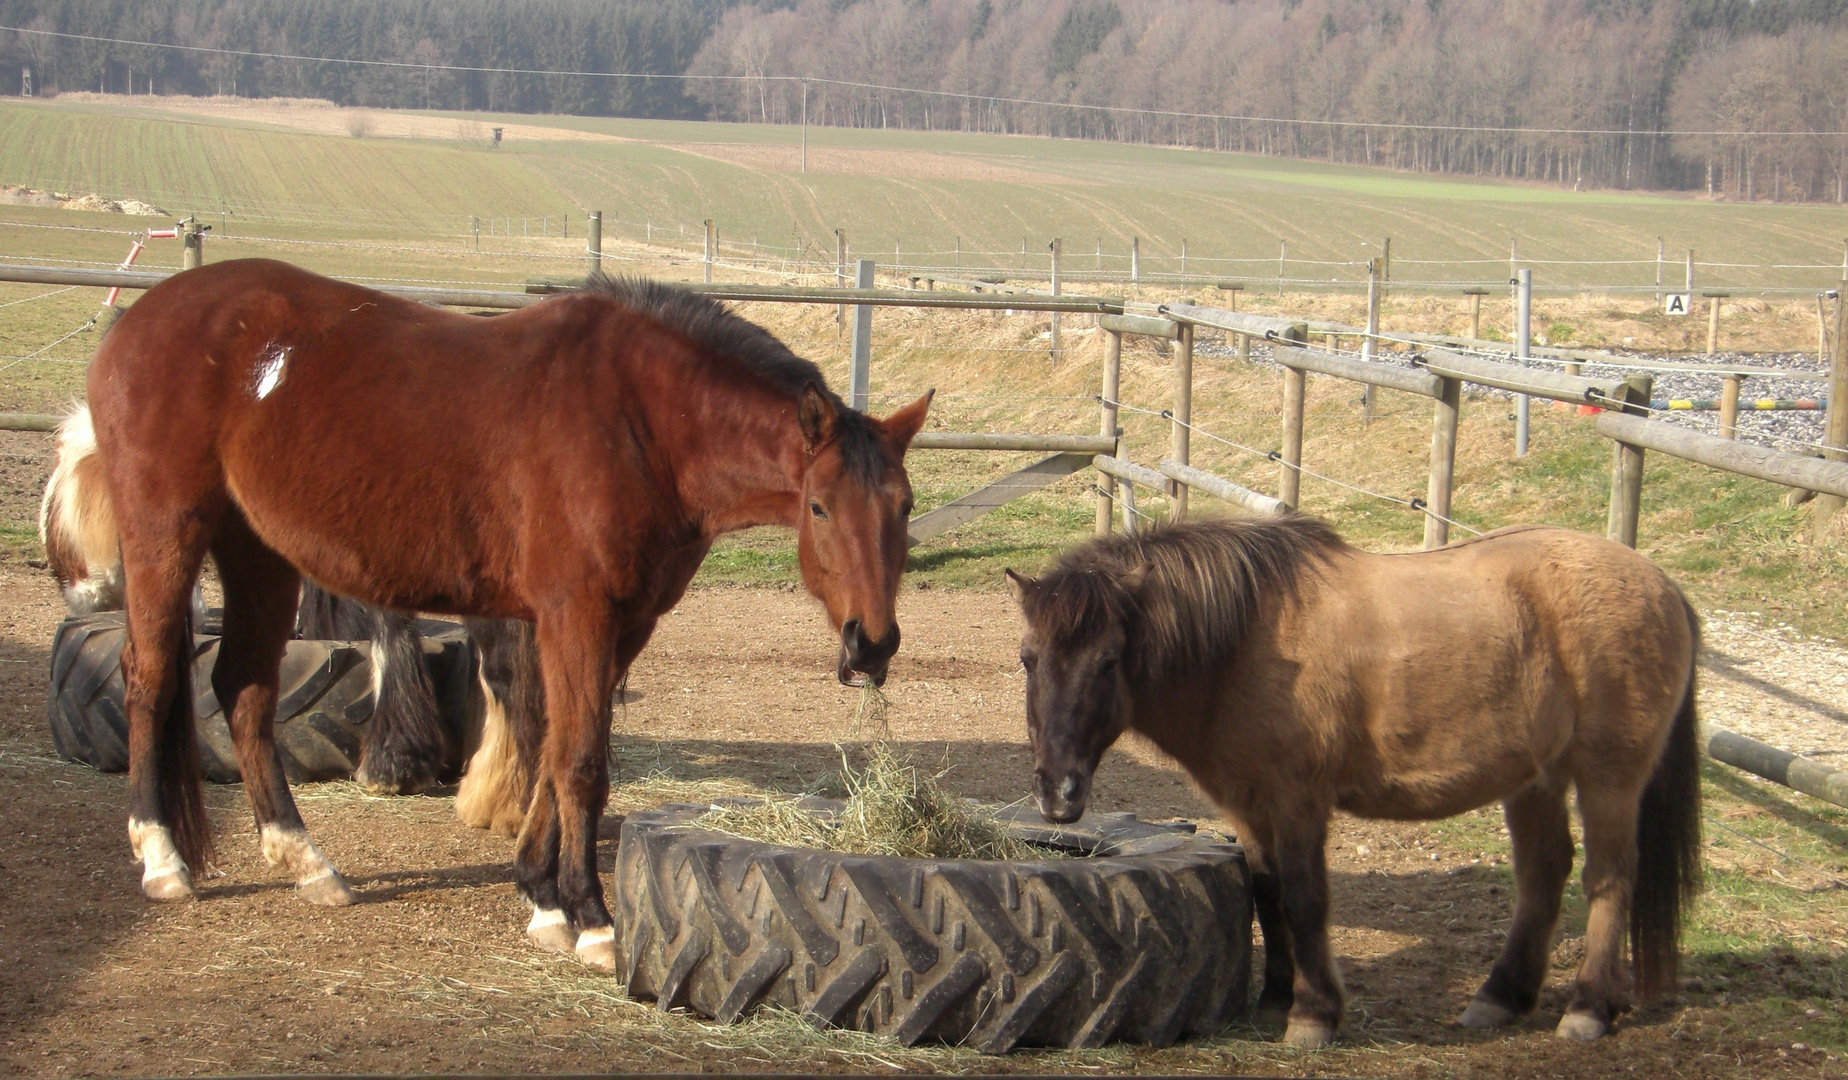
{"x":1057,"y":247}
{"x":1523,"y":340}
{"x":858,"y":380}
{"x":712,"y":248}
{"x":1107,"y":422}
{"x":1135,"y":258}
{"x":840,"y":280}
{"x":1183,"y":415}
{"x":593,"y":244}
{"x":1627,"y":468}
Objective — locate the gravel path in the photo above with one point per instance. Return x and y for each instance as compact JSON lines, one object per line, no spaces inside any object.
{"x":1771,"y":684}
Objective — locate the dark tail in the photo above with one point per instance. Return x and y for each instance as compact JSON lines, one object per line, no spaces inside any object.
{"x":1668,"y":866}
{"x":182,"y":782}
{"x":406,"y":747}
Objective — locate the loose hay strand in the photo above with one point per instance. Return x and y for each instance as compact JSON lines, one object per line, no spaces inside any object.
{"x":891,"y":808}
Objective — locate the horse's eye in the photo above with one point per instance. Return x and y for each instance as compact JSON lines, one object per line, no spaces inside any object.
{"x":815,"y":508}
{"x":905,"y":508}
{"x":1028,"y":660}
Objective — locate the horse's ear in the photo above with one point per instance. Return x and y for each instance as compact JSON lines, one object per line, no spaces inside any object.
{"x":1022,"y":587}
{"x":816,"y":415}
{"x":902,"y":426}
{"x":1133,"y":580}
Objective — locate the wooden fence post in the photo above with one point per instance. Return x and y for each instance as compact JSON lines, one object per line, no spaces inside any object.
{"x":1057,"y":248}
{"x":593,"y":243}
{"x":1475,"y":310}
{"x":1135,"y":258}
{"x":712,"y":246}
{"x":1729,"y":406}
{"x":1443,"y":464}
{"x":1627,"y":468}
{"x":192,"y":244}
{"x":1183,"y":416}
{"x":861,"y":374}
{"x":1713,"y":321}
{"x":1835,"y":425}
{"x":1113,"y":374}
{"x":1289,"y":476}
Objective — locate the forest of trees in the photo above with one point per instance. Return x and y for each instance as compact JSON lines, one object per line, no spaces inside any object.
{"x":1601,"y":86}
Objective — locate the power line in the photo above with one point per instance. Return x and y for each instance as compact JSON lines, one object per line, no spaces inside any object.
{"x":992,"y":99}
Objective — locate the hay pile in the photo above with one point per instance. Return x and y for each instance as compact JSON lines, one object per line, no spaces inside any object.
{"x":891,"y":809}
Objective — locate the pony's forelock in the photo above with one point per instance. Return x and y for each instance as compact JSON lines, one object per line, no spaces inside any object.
{"x":1203,"y":587}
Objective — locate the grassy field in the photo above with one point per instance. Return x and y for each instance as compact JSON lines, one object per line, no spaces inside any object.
{"x":898,"y":192}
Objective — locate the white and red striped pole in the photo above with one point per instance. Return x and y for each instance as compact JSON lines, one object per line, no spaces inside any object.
{"x":134,"y":252}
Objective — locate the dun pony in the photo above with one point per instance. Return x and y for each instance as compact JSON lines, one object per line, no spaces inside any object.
{"x":1294,"y":675}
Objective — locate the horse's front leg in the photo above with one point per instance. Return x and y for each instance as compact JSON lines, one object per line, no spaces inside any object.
{"x":1274,"y":1000}
{"x":1302,"y":871}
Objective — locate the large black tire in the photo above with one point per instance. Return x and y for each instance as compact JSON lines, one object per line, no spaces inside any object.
{"x":1148,"y":938}
{"x":324,"y":705}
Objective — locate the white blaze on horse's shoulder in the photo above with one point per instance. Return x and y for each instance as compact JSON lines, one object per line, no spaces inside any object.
{"x":269,"y":371}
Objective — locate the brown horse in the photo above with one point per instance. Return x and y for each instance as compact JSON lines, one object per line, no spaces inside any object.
{"x":1294,"y":675}
{"x":569,"y":464}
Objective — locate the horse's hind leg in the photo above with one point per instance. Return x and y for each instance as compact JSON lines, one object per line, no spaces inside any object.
{"x":167,"y":827}
{"x":1601,"y":989}
{"x":260,"y":604}
{"x":1541,"y":836}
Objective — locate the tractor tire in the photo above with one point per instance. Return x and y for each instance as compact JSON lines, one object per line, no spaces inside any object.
{"x":324,"y":703}
{"x":1144,"y":936}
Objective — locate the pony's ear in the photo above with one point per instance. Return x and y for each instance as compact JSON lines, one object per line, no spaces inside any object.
{"x":816,"y":415}
{"x":1133,"y":580}
{"x":1022,"y":587}
{"x":902,"y":426}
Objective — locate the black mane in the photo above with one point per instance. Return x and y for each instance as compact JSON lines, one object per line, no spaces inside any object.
{"x":721,"y":331}
{"x":1206,"y":581}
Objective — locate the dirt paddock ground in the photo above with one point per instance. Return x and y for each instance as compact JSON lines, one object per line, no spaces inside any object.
{"x":430,"y":971}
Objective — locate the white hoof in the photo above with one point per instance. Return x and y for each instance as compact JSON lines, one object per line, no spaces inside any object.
{"x":551,"y":931}
{"x":166,"y":887}
{"x":1486,"y":1014}
{"x":1308,"y":1034}
{"x":327,"y":890}
{"x":596,"y":949}
{"x":1581,"y":1027}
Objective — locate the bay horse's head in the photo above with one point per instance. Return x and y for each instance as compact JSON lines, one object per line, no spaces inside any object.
{"x":852,"y":536}
{"x":1078,"y":694}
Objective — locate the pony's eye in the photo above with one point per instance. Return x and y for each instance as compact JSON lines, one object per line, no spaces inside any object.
{"x":815,"y":508}
{"x":905,"y":508}
{"x":1028,"y":660}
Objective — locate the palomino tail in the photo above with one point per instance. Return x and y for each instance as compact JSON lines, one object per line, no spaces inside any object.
{"x":1668,"y":867}
{"x":77,"y":523}
{"x":498,"y":785}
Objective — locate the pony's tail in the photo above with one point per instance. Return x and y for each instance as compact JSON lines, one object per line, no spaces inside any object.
{"x":182,"y":781}
{"x":1668,"y":866}
{"x":77,"y":523}
{"x":497,"y":787}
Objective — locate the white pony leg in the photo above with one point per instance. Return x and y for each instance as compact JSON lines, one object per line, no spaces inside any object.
{"x":164,"y":875}
{"x":488,"y":797}
{"x":315,"y":877}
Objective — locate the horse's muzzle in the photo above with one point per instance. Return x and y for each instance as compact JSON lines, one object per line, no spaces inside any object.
{"x":1061,"y":799}
{"x":862,"y":658}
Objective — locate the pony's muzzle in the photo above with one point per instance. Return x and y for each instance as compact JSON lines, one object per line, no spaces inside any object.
{"x":1061,"y":798}
{"x":862,"y":658}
